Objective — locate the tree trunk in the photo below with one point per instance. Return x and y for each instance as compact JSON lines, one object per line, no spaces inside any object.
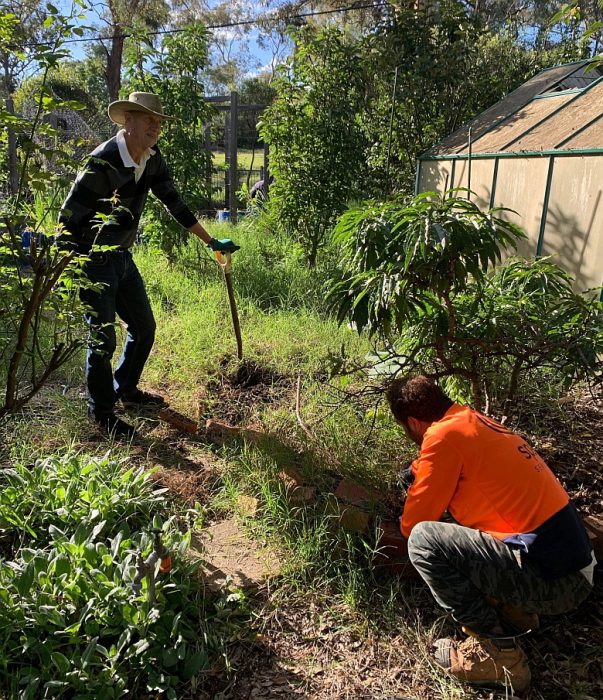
{"x":114,"y":59}
{"x":13,"y":165}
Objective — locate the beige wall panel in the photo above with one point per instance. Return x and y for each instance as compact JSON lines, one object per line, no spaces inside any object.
{"x":574,"y":226}
{"x":518,"y":98}
{"x":520,"y":185}
{"x":482,"y":171}
{"x":561,"y":125}
{"x":592,"y":137}
{"x":435,"y":175}
{"x":520,"y":123}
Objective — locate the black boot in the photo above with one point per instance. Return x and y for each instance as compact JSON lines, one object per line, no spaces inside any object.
{"x":114,"y":426}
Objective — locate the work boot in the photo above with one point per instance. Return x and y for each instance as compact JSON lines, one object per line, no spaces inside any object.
{"x":114,"y":426}
{"x":142,"y":399}
{"x":486,"y":662}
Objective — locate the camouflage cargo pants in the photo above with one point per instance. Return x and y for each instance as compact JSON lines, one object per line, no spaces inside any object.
{"x":463,"y":567}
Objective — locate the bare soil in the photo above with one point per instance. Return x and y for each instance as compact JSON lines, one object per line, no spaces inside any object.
{"x":238,"y":397}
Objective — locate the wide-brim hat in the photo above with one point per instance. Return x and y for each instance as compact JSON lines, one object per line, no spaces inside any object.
{"x":137,"y":102}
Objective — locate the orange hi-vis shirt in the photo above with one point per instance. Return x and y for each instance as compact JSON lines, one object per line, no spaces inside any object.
{"x":487,"y":478}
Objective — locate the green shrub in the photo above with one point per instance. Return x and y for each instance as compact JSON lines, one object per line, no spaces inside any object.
{"x":70,"y":622}
{"x":316,"y":145}
{"x":418,"y":274}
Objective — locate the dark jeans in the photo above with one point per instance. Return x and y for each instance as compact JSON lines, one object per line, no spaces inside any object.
{"x":123,"y":293}
{"x":464,"y":567}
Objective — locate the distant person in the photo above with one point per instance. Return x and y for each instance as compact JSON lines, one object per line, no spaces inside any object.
{"x":116,"y":182}
{"x":516,"y":546}
{"x":258,"y":187}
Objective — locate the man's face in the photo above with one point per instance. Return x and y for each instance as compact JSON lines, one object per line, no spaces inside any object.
{"x":410,"y":431}
{"x":143,"y":128}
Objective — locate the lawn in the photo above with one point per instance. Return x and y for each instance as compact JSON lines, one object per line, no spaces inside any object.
{"x":245,"y":158}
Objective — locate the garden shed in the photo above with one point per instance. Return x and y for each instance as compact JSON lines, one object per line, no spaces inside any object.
{"x":538,"y":152}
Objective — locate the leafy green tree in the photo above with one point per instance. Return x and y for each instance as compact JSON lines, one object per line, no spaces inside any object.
{"x":449,"y":69}
{"x":22,"y":23}
{"x":81,"y":81}
{"x":316,"y":145}
{"x":178,"y":66}
{"x":40,"y":312}
{"x":417,"y":274}
{"x":119,"y":18}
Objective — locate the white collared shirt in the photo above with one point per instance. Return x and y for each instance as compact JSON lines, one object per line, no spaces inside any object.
{"x":127,"y":159}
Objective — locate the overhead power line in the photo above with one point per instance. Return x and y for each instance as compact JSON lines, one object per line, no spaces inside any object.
{"x":267,"y":19}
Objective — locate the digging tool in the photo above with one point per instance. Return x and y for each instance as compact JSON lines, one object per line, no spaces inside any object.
{"x":224,"y":261}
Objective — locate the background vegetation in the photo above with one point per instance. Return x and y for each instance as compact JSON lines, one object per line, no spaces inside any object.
{"x":343,"y":279}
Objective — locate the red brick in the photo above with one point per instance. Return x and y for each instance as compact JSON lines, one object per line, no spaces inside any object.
{"x":354,"y":520}
{"x":220,"y":433}
{"x":178,"y":421}
{"x":351,"y":492}
{"x":291,"y":477}
{"x":594,"y":527}
{"x":391,"y":539}
{"x":301,"y":495}
{"x":247,"y":505}
{"x":392,"y":554}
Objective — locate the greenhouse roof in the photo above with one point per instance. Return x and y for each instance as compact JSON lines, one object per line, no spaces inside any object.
{"x":556,"y":111}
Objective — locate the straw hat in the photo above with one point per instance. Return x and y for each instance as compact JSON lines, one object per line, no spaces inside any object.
{"x":137,"y":102}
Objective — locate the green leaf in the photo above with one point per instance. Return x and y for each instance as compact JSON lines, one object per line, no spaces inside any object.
{"x":89,"y":651}
{"x":194,"y":663}
{"x":61,"y":662}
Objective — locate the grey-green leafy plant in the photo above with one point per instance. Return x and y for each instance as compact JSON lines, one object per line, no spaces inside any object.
{"x":70,"y":623}
{"x":419,"y":275}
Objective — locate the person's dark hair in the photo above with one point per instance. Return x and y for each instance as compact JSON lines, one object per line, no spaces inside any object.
{"x":417,"y":397}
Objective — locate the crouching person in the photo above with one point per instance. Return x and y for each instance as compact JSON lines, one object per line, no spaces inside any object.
{"x":516,"y":548}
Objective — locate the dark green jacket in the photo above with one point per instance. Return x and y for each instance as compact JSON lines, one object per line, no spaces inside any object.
{"x":108,"y":187}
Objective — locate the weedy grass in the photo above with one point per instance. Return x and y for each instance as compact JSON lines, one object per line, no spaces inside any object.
{"x":279,"y":305}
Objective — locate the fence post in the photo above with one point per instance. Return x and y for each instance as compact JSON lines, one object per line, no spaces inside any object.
{"x":208,"y":163}
{"x":233,"y":156}
{"x":266,"y":185}
{"x":226,"y":160}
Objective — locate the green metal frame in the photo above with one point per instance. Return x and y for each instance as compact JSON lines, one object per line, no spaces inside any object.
{"x":417,"y":176}
{"x":518,"y":154}
{"x":560,"y":93}
{"x":494,"y":182}
{"x":545,"y":206}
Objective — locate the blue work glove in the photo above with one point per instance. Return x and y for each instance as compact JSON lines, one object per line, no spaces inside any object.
{"x":223,"y":246}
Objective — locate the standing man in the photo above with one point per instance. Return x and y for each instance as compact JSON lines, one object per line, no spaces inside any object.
{"x":104,"y":208}
{"x":516,"y":548}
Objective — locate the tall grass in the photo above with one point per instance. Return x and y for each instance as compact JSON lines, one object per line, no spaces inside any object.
{"x":280,"y":303}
